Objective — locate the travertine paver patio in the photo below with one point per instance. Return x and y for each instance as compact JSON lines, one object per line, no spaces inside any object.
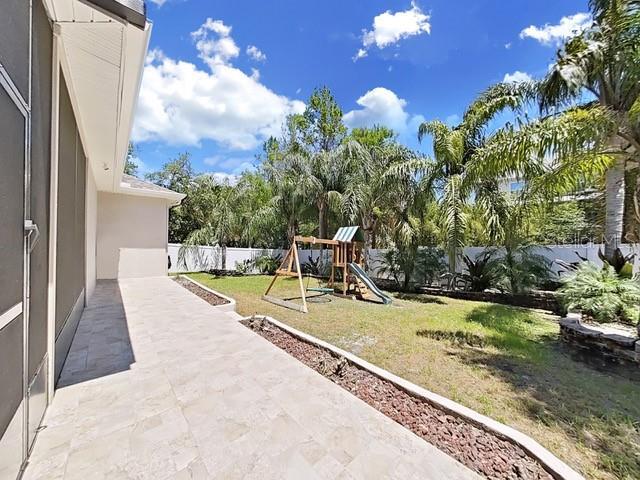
{"x":159,"y":384}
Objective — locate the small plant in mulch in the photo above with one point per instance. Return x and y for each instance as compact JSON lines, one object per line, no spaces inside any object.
{"x":257,"y":323}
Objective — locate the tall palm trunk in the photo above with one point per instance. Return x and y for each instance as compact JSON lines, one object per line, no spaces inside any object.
{"x":369,"y":237}
{"x":322,"y":219}
{"x":292,"y":229}
{"x":614,"y":199}
{"x":223,"y":254}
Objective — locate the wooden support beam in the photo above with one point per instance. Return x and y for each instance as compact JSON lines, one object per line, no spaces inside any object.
{"x":286,"y":304}
{"x":302,"y":292}
{"x":286,"y":273}
{"x":314,"y":240}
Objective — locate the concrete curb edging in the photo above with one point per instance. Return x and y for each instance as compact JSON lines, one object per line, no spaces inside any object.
{"x":227,"y":307}
{"x":556,"y":467}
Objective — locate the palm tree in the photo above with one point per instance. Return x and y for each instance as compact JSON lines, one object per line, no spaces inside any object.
{"x":591,"y":127}
{"x":453,"y":148}
{"x":287,"y":204}
{"x":322,"y":176}
{"x":408,"y":197}
{"x":222,"y":223}
{"x":368,"y":188}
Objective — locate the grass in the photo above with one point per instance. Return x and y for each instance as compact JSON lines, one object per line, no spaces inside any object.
{"x":502,"y":361}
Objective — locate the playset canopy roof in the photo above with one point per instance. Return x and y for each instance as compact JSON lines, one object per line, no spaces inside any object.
{"x":349,"y":234}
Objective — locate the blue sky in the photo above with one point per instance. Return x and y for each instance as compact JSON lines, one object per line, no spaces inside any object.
{"x":222,"y":75}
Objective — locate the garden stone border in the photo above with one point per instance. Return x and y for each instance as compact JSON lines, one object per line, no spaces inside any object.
{"x":553,"y":465}
{"x":605,"y":341}
{"x":230,"y":306}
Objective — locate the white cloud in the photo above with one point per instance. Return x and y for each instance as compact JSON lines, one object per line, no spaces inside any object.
{"x":555,"y":34}
{"x":452,"y":120}
{"x":143,"y":168}
{"x":389,"y":28}
{"x":517,"y":77}
{"x":231,"y":164}
{"x":255,"y":53}
{"x":381,"y":106}
{"x":182,"y":104}
{"x":360,"y":54}
{"x":224,"y":178}
{"x":220,"y":49}
{"x":507,"y":46}
{"x":159,"y":3}
{"x":229,"y":169}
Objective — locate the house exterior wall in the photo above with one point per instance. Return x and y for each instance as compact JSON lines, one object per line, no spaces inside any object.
{"x":49,"y":206}
{"x":132,"y":236}
{"x":91,"y":229}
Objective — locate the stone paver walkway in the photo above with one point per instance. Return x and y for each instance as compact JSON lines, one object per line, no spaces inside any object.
{"x":161,"y":385}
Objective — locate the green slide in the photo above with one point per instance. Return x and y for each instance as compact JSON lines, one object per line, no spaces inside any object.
{"x":360,"y":273}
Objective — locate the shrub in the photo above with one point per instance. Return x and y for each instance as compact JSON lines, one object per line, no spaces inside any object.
{"x":520,"y":269}
{"x":429,"y":265}
{"x":398,"y":264}
{"x":481,"y":271}
{"x":602,"y":293}
{"x":317,"y":267}
{"x":267,"y":264}
{"x":244,"y":266}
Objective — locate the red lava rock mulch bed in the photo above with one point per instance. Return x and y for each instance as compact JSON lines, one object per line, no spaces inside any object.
{"x":481,"y":451}
{"x":206,"y":295}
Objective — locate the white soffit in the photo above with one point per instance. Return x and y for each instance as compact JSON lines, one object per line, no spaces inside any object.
{"x":103,"y":60}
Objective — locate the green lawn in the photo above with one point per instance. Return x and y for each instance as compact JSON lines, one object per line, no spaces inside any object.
{"x":504,"y":362}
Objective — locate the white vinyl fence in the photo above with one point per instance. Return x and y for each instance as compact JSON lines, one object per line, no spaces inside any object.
{"x":208,"y":258}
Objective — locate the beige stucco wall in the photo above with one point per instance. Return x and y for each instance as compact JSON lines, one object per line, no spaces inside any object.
{"x":132,"y":236}
{"x":91,"y":219}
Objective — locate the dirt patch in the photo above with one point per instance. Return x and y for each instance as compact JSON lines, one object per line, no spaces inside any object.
{"x":481,"y":451}
{"x":206,"y":295}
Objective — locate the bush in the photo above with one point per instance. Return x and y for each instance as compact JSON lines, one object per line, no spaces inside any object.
{"x":267,"y":264}
{"x":398,"y":264}
{"x":520,"y":269}
{"x":320,"y":266}
{"x":244,"y":266}
{"x":429,"y":265}
{"x":481,"y":271}
{"x":602,"y":294}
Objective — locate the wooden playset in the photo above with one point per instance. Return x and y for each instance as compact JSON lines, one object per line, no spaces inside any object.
{"x":347,"y":279}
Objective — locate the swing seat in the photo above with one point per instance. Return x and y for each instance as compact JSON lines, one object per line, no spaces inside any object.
{"x":320,"y":289}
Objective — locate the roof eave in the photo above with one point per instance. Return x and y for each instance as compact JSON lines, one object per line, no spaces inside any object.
{"x":173,"y":198}
{"x":133,"y":11}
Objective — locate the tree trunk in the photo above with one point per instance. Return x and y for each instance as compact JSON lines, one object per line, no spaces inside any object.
{"x":292,"y":230}
{"x":631,"y":232}
{"x":322,"y":219}
{"x":223,"y":254}
{"x":367,"y":228}
{"x":614,"y":198}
